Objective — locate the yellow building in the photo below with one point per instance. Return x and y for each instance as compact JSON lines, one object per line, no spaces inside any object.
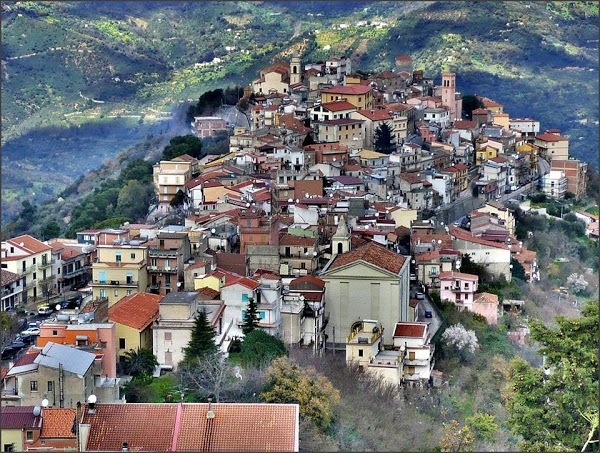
{"x":361,"y":96}
{"x":532,"y":151}
{"x":133,"y":316}
{"x":485,"y":153}
{"x":170,"y":176}
{"x":27,"y":257}
{"x":120,"y":270}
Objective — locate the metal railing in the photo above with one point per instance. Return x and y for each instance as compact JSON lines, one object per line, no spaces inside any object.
{"x":129,"y":283}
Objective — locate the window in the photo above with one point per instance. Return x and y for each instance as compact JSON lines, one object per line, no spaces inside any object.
{"x":55,"y":332}
{"x":466,"y":285}
{"x":244,"y":297}
{"x":129,"y":291}
{"x":121,"y":343}
{"x":50,"y":386}
{"x":101,"y":277}
{"x":33,"y":386}
{"x":360,"y":352}
{"x":9,"y":447}
{"x":103,"y":344}
{"x":116,"y":292}
{"x":411,"y":355}
{"x":411,"y":370}
{"x":34,"y":275}
{"x":34,"y":260}
{"x":118,"y":257}
{"x":168,"y":336}
{"x":133,"y":256}
{"x":29,"y":436}
{"x":103,"y":293}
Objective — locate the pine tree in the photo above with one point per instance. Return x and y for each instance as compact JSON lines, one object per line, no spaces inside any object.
{"x":251,"y":317}
{"x":384,"y":140}
{"x":202,"y":342}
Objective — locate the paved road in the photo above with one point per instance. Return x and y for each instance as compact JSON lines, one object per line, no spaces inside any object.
{"x":427,"y":304}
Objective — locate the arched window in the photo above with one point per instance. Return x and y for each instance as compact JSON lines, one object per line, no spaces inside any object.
{"x":340,"y":248}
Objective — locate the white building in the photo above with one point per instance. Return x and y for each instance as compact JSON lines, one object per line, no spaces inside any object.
{"x":554,"y":184}
{"x":415,"y":339}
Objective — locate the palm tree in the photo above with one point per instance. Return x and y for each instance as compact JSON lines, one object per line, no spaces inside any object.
{"x":136,"y":363}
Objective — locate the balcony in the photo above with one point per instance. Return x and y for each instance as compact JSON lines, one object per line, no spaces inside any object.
{"x":156,"y":253}
{"x":165,"y":270}
{"x":124,"y":283}
{"x":45,"y":264}
{"x":456,"y":289}
{"x":31,"y":284}
{"x":74,"y":273}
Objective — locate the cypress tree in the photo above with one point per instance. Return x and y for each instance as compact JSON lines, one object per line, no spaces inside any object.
{"x":202,"y":342}
{"x":251,"y":317}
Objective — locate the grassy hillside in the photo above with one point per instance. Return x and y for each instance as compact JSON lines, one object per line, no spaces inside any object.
{"x":70,"y":70}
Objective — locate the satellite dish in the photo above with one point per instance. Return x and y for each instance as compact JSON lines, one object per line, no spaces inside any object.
{"x":57,"y":307}
{"x":92,"y":399}
{"x":45,"y":402}
{"x":37,"y":410}
{"x":213,"y":231}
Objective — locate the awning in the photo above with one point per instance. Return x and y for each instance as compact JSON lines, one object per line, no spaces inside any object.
{"x":81,"y":337}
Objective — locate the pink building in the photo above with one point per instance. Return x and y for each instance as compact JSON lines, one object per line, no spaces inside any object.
{"x":458,"y":288}
{"x":486,"y":304}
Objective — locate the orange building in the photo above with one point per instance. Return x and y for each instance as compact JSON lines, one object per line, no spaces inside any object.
{"x":257,"y":229}
{"x":97,"y":338}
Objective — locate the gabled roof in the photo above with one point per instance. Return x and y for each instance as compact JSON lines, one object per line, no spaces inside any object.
{"x":449,"y":275}
{"x":30,"y":244}
{"x":373,"y":254}
{"x":293,"y":240}
{"x":58,"y":423}
{"x":551,"y":137}
{"x":244,"y":281}
{"x":336,"y":106}
{"x":186,"y":427}
{"x":307,"y":281}
{"x":410,"y":329}
{"x":137,"y":310}
{"x":8,"y":277}
{"x":19,"y":417}
{"x":376,"y":114}
{"x":354,"y":89}
{"x":485,"y":298}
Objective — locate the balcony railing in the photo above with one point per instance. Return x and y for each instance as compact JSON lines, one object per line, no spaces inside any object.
{"x":126,"y":283}
{"x":163,"y":253}
{"x":31,"y":284}
{"x":456,"y":289}
{"x":74,"y":272}
{"x":46,"y":263}
{"x":169,"y":270}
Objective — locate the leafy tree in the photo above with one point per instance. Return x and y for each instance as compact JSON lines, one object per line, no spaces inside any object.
{"x":250,"y":317}
{"x":139,"y":170}
{"x":138,"y":362}
{"x":457,"y":438}
{"x":51,"y":230}
{"x":484,"y":426}
{"x":469,"y":267}
{"x":288,"y":382}
{"x":183,"y":144}
{"x":259,"y":349}
{"x":384,"y":139}
{"x":133,"y":200}
{"x":202,"y":342}
{"x":518,"y":271}
{"x":551,"y":409}
{"x":469,"y":103}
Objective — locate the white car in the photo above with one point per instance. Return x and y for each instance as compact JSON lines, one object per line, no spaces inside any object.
{"x":419,"y":295}
{"x":45,"y":310}
{"x":31,"y":331}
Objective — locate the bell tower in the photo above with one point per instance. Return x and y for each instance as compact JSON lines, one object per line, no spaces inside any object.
{"x":449,"y":93}
{"x":341,"y":240}
{"x":295,"y":69}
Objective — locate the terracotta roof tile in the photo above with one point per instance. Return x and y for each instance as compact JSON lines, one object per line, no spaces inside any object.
{"x":550,"y":137}
{"x":8,"y":277}
{"x":449,"y":275}
{"x":337,"y":106}
{"x":137,"y":310}
{"x":287,"y":239}
{"x":58,"y":423}
{"x":348,"y":89}
{"x":244,"y":281}
{"x":485,"y":298}
{"x":306,"y":282}
{"x":373,"y":254}
{"x":186,"y":427}
{"x":208,"y":293}
{"x":410,"y":329}
{"x":30,"y":243}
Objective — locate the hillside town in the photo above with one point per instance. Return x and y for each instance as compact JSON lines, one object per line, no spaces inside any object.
{"x":344,"y":201}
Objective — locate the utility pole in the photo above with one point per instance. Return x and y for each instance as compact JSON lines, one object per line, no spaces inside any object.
{"x":333,"y":333}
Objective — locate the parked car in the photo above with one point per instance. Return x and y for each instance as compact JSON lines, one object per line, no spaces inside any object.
{"x":45,"y":310}
{"x":31,"y":331}
{"x":419,"y":295}
{"x":78,"y":285}
{"x":428,"y":314}
{"x":18,"y":344}
{"x":8,"y":352}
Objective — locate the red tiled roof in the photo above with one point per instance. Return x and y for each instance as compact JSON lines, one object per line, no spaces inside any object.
{"x":448,"y":275}
{"x":485,"y":298}
{"x":137,"y":310}
{"x":410,"y":329}
{"x":336,"y":106}
{"x":298,"y":241}
{"x":376,"y":114}
{"x":244,"y":281}
{"x":8,"y":277}
{"x":463,"y":124}
{"x":58,"y":423}
{"x":464,"y":235}
{"x":186,"y":427}
{"x":551,"y":137}
{"x":208,"y":293}
{"x":305,"y":281}
{"x":26,"y":359}
{"x":479,"y":111}
{"x":354,"y":89}
{"x":373,"y":254}
{"x":30,"y":243}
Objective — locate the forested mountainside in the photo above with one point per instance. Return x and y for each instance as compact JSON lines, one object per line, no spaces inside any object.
{"x":81,"y":81}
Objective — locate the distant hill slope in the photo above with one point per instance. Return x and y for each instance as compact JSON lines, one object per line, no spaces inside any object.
{"x":75,"y":64}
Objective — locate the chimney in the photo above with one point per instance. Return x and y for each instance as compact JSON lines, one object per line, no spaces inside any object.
{"x":210,"y":414}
